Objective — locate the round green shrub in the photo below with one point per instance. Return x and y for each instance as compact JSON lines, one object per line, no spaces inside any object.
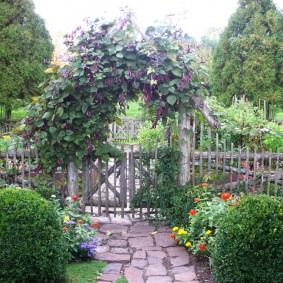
{"x":32,"y":242}
{"x":249,"y":242}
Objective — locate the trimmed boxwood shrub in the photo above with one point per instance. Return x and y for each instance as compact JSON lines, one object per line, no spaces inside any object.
{"x":32,"y":243}
{"x":249,"y":242}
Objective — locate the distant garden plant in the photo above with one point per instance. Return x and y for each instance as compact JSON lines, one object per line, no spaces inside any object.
{"x":79,"y":231}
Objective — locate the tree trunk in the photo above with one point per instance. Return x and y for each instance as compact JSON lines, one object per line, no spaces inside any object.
{"x":72,"y":175}
{"x":86,"y":182}
{"x":8,"y":113}
{"x":183,"y":127}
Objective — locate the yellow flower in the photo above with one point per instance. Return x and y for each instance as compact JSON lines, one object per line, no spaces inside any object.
{"x":201,"y":238}
{"x":175,"y":229}
{"x":6,"y":137}
{"x":181,"y":232}
{"x":208,"y":232}
{"x":66,"y":218}
{"x":188,"y":244}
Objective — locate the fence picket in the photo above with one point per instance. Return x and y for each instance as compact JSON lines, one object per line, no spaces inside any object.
{"x":239,"y":168}
{"x":269,"y":171}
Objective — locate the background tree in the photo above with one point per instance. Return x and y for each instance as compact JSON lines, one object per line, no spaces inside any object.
{"x":25,"y":48}
{"x":248,"y":59}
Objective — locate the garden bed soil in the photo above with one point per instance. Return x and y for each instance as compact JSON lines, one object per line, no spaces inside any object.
{"x":203,"y":269}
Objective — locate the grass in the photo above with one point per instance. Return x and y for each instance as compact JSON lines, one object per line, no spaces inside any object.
{"x":279,"y":116}
{"x":134,"y":111}
{"x":83,"y":272}
{"x":123,"y":279}
{"x":19,"y":113}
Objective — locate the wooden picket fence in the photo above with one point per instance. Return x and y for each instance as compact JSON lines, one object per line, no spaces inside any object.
{"x":114,"y":183}
{"x":127,"y":129}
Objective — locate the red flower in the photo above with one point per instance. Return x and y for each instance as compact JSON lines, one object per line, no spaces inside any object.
{"x":177,"y":241}
{"x":95,"y":225}
{"x":202,"y":247}
{"x":75,"y":198}
{"x":225,"y":196}
{"x":193,"y":212}
{"x":173,"y":236}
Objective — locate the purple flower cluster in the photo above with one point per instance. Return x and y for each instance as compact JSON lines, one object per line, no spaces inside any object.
{"x":89,"y":247}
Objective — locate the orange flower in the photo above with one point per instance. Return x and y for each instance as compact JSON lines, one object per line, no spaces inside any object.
{"x":66,"y":228}
{"x":75,"y":198}
{"x":225,"y":196}
{"x":204,"y":185}
{"x":173,"y":236}
{"x":80,"y":221}
{"x":202,"y":247}
{"x":196,"y":199}
{"x":193,"y":212}
{"x":95,"y":225}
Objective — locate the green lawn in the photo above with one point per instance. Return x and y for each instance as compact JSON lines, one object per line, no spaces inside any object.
{"x":19,"y":113}
{"x":134,"y":111}
{"x":88,"y":271}
{"x":279,"y":116}
{"x":84,"y":271}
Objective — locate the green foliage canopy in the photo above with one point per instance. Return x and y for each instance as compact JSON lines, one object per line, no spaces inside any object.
{"x":24,"y":44}
{"x":248,"y":59}
{"x":109,"y":65}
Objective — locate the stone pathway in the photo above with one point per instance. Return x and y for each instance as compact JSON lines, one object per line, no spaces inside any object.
{"x":143,"y":253}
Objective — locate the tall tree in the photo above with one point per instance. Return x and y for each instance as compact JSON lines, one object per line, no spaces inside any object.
{"x":248,"y":59}
{"x":25,"y":46}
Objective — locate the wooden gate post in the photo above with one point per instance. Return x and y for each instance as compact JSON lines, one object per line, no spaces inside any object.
{"x":72,"y":179}
{"x":183,"y":128}
{"x":86,"y":181}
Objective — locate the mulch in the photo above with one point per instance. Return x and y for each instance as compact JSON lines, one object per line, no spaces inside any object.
{"x":203,"y":269}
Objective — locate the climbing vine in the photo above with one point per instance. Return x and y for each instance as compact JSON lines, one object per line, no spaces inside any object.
{"x":110,"y":63}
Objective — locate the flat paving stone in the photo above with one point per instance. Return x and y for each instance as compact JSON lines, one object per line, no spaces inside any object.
{"x":154,"y":248}
{"x":121,"y":220}
{"x":118,"y":243}
{"x":139,"y":263}
{"x":112,"y":257}
{"x":133,"y":275}
{"x":164,"y":230}
{"x":109,"y":277}
{"x":177,"y":251}
{"x":139,"y":255}
{"x":159,"y":279}
{"x":120,"y":250}
{"x":139,"y":242}
{"x":113,"y":228}
{"x":185,"y":276}
{"x":182,"y":269}
{"x":159,"y":254}
{"x":179,"y":261}
{"x":154,"y":260}
{"x":141,"y":227}
{"x":102,"y":249}
{"x":113,"y":268}
{"x":155,"y":269}
{"x":163,"y":240}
